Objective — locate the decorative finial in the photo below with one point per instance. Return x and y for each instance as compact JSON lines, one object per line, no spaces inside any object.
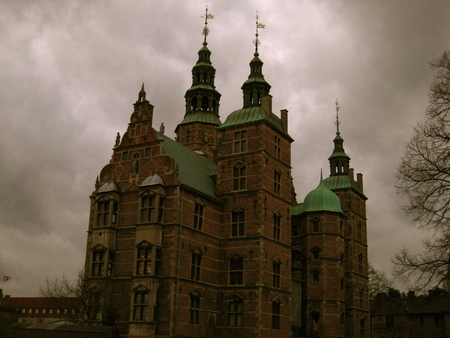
{"x":256,"y":41}
{"x":141,"y":95}
{"x":206,"y":29}
{"x":337,"y":117}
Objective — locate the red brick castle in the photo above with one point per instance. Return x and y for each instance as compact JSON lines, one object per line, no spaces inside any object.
{"x":202,"y":236}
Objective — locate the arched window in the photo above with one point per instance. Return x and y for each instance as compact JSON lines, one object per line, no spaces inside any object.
{"x":316,"y":253}
{"x":315,"y":276}
{"x":315,"y":225}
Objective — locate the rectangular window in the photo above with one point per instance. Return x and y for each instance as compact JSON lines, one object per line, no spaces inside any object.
{"x":195,"y":266}
{"x":140,"y":310}
{"x":240,"y":141}
{"x":103,"y":213}
{"x":235,"y":313}
{"x":239,"y":178}
{"x":276,"y":274}
{"x":237,"y":223}
{"x":236,"y":270}
{"x":158,"y":261}
{"x":198,"y":216}
{"x":276,"y":182}
{"x":125,"y":156}
{"x":276,"y":227}
{"x":148,"y":152}
{"x":161,"y":209}
{"x":389,"y":321}
{"x":276,"y":315}
{"x":194,"y":310}
{"x":148,"y":208}
{"x":144,"y":260}
{"x":276,"y":146}
{"x":188,"y":136}
{"x":98,"y":263}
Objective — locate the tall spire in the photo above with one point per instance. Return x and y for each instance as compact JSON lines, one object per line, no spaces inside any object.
{"x":202,"y":99}
{"x":255,"y":88}
{"x":339,"y":160}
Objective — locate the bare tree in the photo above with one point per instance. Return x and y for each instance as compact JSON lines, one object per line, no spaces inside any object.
{"x":424,"y":177}
{"x":86,"y":303}
{"x":378,"y":282}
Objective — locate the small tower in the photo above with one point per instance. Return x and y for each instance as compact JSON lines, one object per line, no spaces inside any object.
{"x":197,"y":131}
{"x":318,"y":269}
{"x":353,"y":202}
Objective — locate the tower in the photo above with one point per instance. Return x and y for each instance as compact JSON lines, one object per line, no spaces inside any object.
{"x":253,"y":178}
{"x":197,"y":131}
{"x":329,"y":254}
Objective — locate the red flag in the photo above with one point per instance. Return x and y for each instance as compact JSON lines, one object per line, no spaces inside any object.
{"x":6,"y":278}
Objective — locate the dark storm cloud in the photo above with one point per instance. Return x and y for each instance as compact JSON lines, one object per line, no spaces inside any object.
{"x":71,"y":70}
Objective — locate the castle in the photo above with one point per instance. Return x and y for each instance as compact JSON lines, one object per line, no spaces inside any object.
{"x":202,"y":236}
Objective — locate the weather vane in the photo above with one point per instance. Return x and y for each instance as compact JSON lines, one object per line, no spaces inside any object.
{"x":258,"y":25}
{"x":337,"y":116}
{"x":206,"y":17}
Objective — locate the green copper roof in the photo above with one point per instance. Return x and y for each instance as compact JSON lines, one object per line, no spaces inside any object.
{"x":194,"y":170}
{"x":202,"y":117}
{"x":254,"y":114}
{"x":341,"y":182}
{"x":320,"y":199}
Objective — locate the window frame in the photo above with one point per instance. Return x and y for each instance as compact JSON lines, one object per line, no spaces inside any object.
{"x":276,"y":273}
{"x":194,"y":309}
{"x":153,"y":210}
{"x":98,"y":261}
{"x":277,"y":226}
{"x":277,"y":181}
{"x":276,"y":315}
{"x":237,"y":223}
{"x":144,"y":259}
{"x":141,"y":305}
{"x":235,"y":312}
{"x":199,"y":212}
{"x":196,"y":263}
{"x":239,"y":176}
{"x":236,"y":268}
{"x":240,"y":141}
{"x":277,"y":146}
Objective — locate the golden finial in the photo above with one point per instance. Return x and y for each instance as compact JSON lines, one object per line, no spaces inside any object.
{"x":206,"y":17}
{"x":337,"y":116}
{"x":258,"y":25}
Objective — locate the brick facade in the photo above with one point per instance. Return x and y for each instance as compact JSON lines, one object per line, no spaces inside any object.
{"x":195,"y":234}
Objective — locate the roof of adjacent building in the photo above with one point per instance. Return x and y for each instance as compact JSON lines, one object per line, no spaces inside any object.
{"x":194,"y":170}
{"x":33,"y":302}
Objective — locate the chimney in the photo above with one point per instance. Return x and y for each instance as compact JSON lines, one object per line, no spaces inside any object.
{"x":266,"y":103}
{"x":359,"y":179}
{"x":284,"y":119}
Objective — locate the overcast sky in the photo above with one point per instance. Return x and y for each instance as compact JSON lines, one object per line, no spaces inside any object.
{"x":71,"y":70}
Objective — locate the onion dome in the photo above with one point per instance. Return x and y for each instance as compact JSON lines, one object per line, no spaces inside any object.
{"x":321,"y":199}
{"x":154,"y":179}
